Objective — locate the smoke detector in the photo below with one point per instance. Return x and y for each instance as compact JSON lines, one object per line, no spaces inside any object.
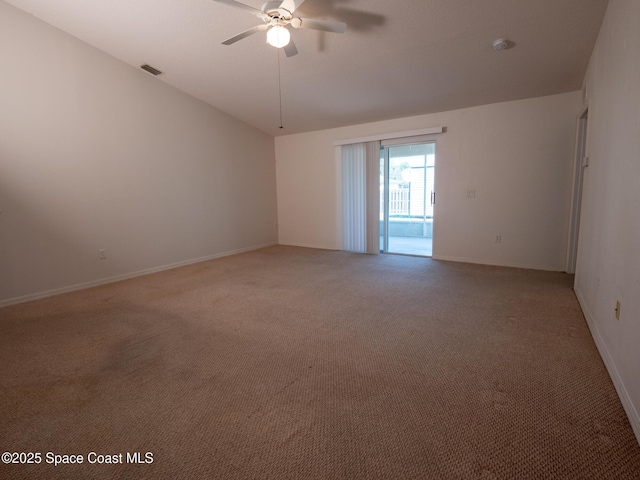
{"x":501,"y":44}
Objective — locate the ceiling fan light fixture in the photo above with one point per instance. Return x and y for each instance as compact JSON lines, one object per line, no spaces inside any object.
{"x":278,"y":36}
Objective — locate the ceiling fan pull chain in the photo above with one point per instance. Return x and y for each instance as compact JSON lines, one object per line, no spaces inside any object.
{"x":279,"y":90}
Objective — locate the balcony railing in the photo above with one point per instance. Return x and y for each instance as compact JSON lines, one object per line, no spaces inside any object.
{"x":398,"y":201}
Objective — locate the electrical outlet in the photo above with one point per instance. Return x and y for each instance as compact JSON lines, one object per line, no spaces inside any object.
{"x":498,"y":238}
{"x":617,"y":309}
{"x":102,"y":254}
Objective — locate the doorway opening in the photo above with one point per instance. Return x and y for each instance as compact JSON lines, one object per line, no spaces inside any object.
{"x":407,"y":198}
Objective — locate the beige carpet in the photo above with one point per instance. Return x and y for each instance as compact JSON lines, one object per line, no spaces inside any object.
{"x":291,"y":363}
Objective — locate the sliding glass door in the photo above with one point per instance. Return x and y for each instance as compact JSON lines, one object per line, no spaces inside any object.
{"x":407,"y":198}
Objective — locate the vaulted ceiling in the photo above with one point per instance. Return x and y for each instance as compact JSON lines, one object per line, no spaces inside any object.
{"x":397,"y":58}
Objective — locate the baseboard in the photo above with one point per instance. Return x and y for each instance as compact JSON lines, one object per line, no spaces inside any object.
{"x":306,"y":245}
{"x":625,"y":399}
{"x":496,"y":263}
{"x":126,"y":276}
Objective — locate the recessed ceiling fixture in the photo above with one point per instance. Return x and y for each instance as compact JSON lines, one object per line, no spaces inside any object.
{"x":501,"y":44}
{"x":278,"y":20}
{"x":150,"y":69}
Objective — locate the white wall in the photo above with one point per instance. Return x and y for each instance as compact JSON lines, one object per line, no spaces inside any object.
{"x":517,"y":156}
{"x":608,"y":266}
{"x":98,"y":154}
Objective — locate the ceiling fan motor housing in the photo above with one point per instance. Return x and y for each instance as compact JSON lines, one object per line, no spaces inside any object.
{"x":273,"y":10}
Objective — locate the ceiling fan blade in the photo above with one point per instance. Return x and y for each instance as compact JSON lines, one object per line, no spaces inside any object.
{"x":318,"y":24}
{"x":290,"y":49}
{"x":245,"y":34}
{"x":291,"y":5}
{"x":233,"y":3}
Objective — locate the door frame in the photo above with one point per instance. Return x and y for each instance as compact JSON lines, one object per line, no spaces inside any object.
{"x":385,"y":156}
{"x":581,"y":161}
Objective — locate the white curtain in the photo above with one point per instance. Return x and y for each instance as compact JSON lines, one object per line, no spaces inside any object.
{"x":361,"y":197}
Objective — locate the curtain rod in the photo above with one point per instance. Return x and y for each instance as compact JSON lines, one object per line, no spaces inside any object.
{"x":388,"y":136}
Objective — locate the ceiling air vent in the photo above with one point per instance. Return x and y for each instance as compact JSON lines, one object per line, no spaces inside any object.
{"x":150,"y":69}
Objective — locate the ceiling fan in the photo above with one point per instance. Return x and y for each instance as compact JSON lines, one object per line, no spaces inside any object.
{"x":278,"y":18}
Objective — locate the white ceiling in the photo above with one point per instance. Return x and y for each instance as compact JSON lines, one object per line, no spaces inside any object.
{"x":398,"y":58}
